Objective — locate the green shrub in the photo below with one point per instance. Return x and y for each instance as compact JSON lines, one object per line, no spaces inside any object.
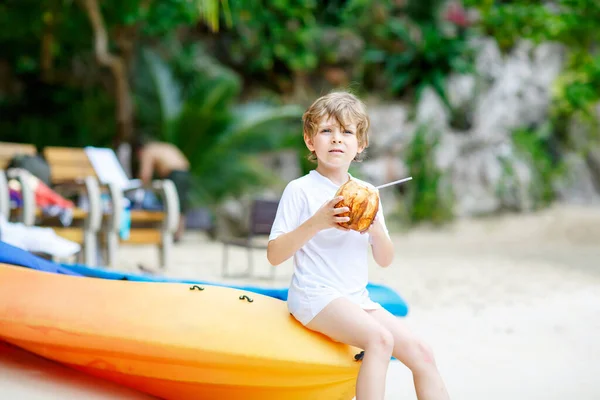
{"x":428,"y":196}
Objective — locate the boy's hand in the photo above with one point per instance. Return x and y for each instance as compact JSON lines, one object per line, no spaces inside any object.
{"x":375,"y":229}
{"x":327,"y":216}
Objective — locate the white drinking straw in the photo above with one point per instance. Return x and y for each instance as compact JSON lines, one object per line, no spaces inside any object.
{"x":394,"y":183}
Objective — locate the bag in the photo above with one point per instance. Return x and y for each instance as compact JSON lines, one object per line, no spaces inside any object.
{"x":36,"y":165}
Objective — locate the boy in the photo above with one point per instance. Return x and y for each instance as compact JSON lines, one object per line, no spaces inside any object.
{"x":328,"y":290}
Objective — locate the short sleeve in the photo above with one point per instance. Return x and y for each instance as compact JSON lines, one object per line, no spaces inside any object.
{"x":288,"y":211}
{"x":381,"y":218}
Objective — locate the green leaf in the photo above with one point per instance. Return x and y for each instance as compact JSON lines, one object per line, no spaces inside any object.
{"x":375,"y":56}
{"x":168,"y":91}
{"x":400,"y":81}
{"x":251,"y":118}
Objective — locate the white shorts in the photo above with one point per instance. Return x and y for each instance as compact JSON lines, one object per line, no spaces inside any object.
{"x":305,"y":303}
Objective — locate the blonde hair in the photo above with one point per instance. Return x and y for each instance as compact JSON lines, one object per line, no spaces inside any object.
{"x":346,"y":109}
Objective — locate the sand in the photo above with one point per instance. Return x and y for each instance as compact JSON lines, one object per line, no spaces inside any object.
{"x":510,"y":305}
{"x":29,"y":377}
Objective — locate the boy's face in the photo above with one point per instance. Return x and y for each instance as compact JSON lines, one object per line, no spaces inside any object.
{"x":333,"y":146}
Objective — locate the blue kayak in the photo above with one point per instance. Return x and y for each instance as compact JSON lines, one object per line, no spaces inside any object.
{"x":381,"y":294}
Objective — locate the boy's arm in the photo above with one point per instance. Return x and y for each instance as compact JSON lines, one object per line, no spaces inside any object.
{"x":381,"y":244}
{"x":282,"y":248}
{"x":285,"y":245}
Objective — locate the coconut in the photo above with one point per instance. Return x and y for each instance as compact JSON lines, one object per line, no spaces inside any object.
{"x":363,"y":202}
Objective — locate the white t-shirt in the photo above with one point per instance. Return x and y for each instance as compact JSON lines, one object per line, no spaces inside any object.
{"x":332,"y":258}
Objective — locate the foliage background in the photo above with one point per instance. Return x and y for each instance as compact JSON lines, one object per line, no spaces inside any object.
{"x":224,"y":80}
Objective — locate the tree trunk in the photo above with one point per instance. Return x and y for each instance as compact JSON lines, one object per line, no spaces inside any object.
{"x":46,"y":56}
{"x":124,"y":109}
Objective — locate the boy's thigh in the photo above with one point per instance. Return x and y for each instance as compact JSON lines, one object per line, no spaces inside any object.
{"x":345,"y":322}
{"x":397,"y":327}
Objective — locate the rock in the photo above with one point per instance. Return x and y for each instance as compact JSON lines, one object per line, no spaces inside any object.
{"x":549,"y":60}
{"x":488,"y":178}
{"x":449,"y":149}
{"x":585,"y":140}
{"x":488,"y":61}
{"x":384,"y":169}
{"x":593,"y":162}
{"x":461,"y":90}
{"x":520,"y":90}
{"x":471,"y":174}
{"x":577,"y":186}
{"x":432,"y":111}
{"x":389,"y":128}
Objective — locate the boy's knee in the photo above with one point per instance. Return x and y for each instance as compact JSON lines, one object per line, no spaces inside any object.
{"x":426,"y":351}
{"x":422,"y":353}
{"x":382,"y":340}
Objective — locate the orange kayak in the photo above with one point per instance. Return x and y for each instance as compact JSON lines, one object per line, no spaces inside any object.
{"x":173,"y":340}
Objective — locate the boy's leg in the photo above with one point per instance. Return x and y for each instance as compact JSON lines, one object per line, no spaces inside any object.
{"x":416,"y":355}
{"x":182,"y":181}
{"x":346,"y":322}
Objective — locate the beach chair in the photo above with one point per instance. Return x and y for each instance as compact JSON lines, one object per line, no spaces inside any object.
{"x":85,"y":222}
{"x":156,"y":227}
{"x":7,"y":152}
{"x":72,"y":177}
{"x":262,"y":216}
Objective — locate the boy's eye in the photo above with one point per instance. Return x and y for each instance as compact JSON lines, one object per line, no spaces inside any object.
{"x":326,"y":130}
{"x":349,"y":132}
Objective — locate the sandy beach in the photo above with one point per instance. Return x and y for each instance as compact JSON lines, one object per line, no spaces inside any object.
{"x":511,"y":306}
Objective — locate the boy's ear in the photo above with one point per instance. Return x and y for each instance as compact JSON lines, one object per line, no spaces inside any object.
{"x":309,"y":143}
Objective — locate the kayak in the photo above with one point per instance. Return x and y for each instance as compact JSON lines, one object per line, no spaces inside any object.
{"x":173,"y":340}
{"x":382,"y":294}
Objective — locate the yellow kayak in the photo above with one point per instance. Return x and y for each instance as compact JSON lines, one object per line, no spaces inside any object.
{"x":173,"y":340}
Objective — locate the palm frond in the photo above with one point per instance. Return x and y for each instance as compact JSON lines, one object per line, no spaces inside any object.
{"x":251,"y":119}
{"x":165,"y":90}
{"x":209,"y":12}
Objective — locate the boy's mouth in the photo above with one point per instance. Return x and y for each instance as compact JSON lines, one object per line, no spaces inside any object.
{"x":336,"y":151}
